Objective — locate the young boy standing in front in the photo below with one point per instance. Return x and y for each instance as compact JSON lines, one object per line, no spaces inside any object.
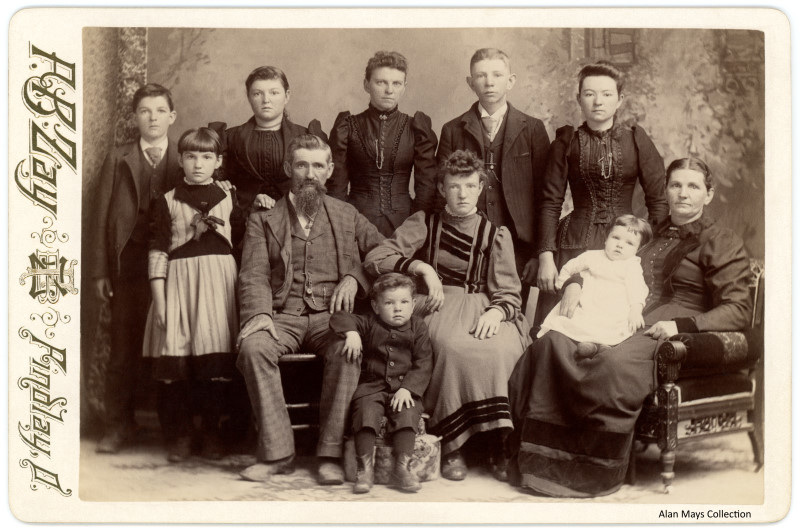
{"x":132,"y":175}
{"x":395,"y":371}
{"x":513,"y":145}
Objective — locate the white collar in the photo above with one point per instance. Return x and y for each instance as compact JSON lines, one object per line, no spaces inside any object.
{"x":498,"y":115}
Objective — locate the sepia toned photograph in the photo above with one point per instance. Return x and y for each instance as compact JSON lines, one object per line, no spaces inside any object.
{"x":498,"y":265}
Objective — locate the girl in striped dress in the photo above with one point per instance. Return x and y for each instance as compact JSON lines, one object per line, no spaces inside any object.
{"x":472,"y":311}
{"x":192,"y":324}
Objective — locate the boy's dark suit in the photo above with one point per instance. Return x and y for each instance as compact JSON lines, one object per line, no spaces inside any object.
{"x":524,"y":154}
{"x":128,"y":183}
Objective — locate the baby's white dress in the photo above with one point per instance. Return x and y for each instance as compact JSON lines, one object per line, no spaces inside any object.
{"x":610,"y":288}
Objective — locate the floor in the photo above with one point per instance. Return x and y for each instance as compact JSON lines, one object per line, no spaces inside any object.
{"x":713,"y":470}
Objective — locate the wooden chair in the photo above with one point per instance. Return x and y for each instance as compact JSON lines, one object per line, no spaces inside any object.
{"x":708,"y":384}
{"x":301,"y":376}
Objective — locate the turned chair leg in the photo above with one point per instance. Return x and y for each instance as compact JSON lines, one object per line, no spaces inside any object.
{"x":667,"y":465}
{"x":758,"y":448}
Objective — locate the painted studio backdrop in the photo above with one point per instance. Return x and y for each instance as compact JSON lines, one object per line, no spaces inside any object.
{"x":694,"y":91}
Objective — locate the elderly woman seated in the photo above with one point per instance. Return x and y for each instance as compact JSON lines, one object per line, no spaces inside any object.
{"x":472,"y":311}
{"x":574,"y":417}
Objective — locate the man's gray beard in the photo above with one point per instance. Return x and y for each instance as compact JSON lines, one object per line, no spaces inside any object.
{"x":308,"y":200}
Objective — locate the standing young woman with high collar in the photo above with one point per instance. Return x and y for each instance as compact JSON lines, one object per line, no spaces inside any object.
{"x":602,"y":161}
{"x":374,"y":152}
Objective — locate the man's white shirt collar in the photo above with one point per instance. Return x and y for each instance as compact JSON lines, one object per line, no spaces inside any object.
{"x":498,"y":116}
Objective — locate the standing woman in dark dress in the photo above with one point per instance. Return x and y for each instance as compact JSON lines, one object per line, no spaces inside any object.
{"x":375,"y":151}
{"x":602,"y":161}
{"x":253,"y":152}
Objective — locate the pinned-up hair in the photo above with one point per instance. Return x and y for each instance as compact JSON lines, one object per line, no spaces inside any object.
{"x":692,"y":163}
{"x":602,"y":68}
{"x":266,"y":72}
{"x":462,"y":163}
{"x":394,"y":60}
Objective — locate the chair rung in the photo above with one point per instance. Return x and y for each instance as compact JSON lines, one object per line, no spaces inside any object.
{"x":304,"y":426}
{"x":302,"y":405}
{"x":297,"y":357}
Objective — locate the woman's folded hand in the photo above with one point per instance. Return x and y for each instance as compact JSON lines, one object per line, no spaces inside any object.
{"x":488,"y":324}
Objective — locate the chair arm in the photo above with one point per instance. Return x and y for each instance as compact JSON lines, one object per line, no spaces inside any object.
{"x":669,"y":357}
{"x":707,"y":353}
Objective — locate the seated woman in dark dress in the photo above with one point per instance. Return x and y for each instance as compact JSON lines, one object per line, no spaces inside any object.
{"x":574,"y":417}
{"x":375,"y":151}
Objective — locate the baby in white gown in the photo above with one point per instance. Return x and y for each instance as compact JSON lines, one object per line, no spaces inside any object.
{"x":614,"y":291}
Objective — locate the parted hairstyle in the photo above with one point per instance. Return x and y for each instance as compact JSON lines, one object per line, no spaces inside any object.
{"x":462,"y":163}
{"x":692,"y":163}
{"x":602,"y":68}
{"x":200,"y":139}
{"x":149,"y":91}
{"x":390,"y":281}
{"x":306,"y":141}
{"x":489,"y":53}
{"x":394,"y":60}
{"x":266,"y":72}
{"x":634,"y":224}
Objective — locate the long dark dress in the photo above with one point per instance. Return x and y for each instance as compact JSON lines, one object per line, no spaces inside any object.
{"x":374,"y":152}
{"x":573,"y":419}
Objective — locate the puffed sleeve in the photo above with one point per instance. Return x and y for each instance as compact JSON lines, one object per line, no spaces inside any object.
{"x":315,"y":128}
{"x":424,"y":162}
{"x":727,"y":271}
{"x":395,"y":254}
{"x":554,"y":187}
{"x":502,"y":280}
{"x":160,"y":238}
{"x":635,"y":286}
{"x":340,"y":135}
{"x":652,"y":177}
